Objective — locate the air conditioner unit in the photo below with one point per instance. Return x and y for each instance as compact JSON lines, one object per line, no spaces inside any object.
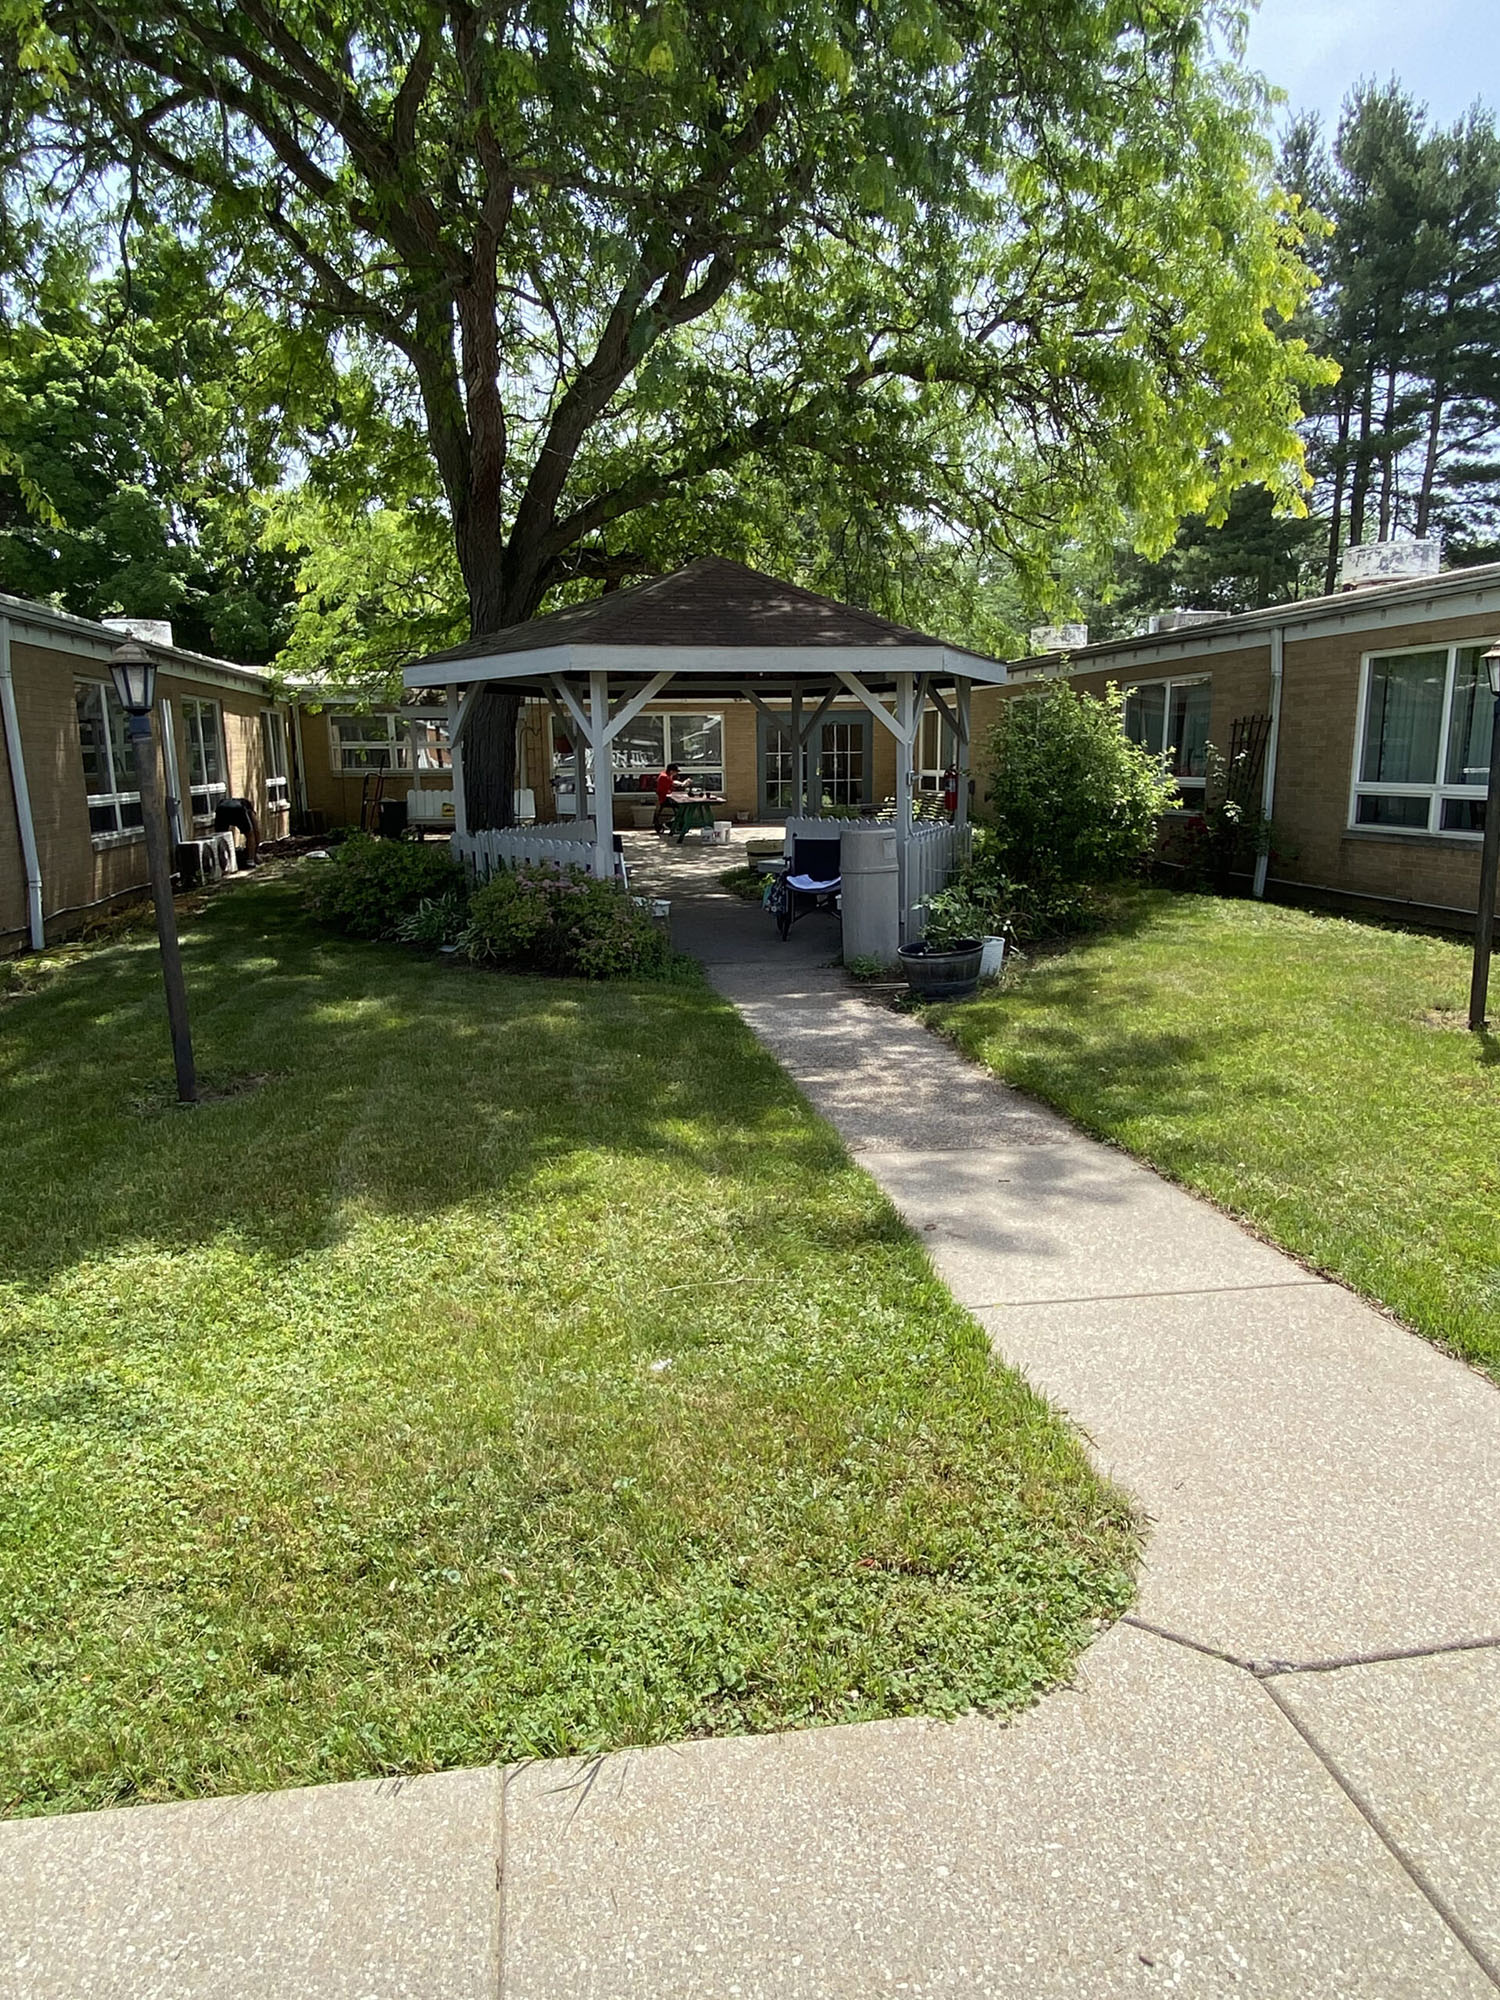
{"x":226,"y":853}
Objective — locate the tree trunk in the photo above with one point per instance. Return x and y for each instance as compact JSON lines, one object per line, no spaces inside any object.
{"x":1360,"y":485}
{"x":501,"y":593}
{"x":1388,"y":453}
{"x":1430,"y":457}
{"x":1340,"y":469}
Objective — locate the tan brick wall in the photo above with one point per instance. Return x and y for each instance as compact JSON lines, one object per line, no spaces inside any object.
{"x":80,"y":878}
{"x":1315,"y":848}
{"x":1240,"y":685}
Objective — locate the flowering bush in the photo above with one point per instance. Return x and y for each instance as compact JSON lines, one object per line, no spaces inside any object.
{"x":563,"y":921}
{"x":368,"y":886}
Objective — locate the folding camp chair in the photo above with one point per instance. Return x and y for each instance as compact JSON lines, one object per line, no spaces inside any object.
{"x":811,"y":881}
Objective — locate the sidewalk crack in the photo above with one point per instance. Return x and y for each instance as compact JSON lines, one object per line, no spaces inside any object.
{"x":1412,"y":1868}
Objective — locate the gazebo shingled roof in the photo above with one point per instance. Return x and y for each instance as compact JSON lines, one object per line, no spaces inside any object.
{"x":708,"y":604}
{"x":714,"y":630}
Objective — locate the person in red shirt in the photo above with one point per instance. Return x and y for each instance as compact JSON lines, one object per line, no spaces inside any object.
{"x":666,"y":784}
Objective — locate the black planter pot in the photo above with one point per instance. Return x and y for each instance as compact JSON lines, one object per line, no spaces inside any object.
{"x":942,"y":975}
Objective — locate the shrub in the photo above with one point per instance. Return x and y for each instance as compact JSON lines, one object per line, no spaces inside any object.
{"x":367,"y":886}
{"x":1001,"y":906}
{"x":563,"y":921}
{"x":436,"y":921}
{"x":1072,"y":799}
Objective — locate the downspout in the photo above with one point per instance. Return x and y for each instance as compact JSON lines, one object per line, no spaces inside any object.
{"x":21,"y":794}
{"x":1268,"y":781}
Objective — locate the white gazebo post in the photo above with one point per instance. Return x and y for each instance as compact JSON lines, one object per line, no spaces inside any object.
{"x":415,"y":787}
{"x":456,"y":759}
{"x":799,"y":767}
{"x":961,"y":690}
{"x":604,"y":787}
{"x":905,"y":730}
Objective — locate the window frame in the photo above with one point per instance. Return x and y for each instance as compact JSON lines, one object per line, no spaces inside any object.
{"x":209,"y":790}
{"x":117,"y":797}
{"x":1169,"y":684}
{"x":1440,"y":789}
{"x":432,"y":755}
{"x":780,"y":719}
{"x":638,"y":782}
{"x":273,"y":750}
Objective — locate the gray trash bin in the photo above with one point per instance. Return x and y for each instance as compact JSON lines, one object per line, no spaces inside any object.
{"x":871,"y":902}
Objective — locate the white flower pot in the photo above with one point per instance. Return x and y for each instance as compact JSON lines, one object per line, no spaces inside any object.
{"x":992,"y":961}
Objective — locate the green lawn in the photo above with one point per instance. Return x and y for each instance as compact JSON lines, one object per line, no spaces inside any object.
{"x":517,"y":1368}
{"x":1310,"y":1074}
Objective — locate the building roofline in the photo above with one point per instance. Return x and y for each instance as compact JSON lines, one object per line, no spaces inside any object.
{"x":1363,"y":609}
{"x":90,"y":639}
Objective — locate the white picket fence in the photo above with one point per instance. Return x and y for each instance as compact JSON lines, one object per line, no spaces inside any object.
{"x":926,"y":861}
{"x":932,"y":853}
{"x":568,"y":844}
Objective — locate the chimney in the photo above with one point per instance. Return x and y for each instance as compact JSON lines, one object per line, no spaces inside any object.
{"x":1394,"y":561}
{"x":154,"y":631}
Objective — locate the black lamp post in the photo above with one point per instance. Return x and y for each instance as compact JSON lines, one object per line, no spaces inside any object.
{"x":1489,"y":864}
{"x":134,"y":674}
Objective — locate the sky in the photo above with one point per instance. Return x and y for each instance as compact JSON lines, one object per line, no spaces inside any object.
{"x":1446,"y":52}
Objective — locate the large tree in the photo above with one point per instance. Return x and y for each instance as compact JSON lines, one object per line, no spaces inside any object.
{"x":1409,"y":308}
{"x":1004,"y":264}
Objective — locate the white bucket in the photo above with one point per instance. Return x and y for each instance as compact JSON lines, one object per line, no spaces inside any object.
{"x":992,"y":962}
{"x":723,"y":829}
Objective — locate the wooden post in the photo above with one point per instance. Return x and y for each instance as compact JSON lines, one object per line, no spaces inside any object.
{"x":962,"y":753}
{"x":456,"y":758}
{"x":414,"y":789}
{"x":604,"y":786}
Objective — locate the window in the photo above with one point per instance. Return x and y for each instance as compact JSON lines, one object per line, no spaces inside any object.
{"x":273,"y":749}
{"x":1422,"y":763}
{"x":644,"y":748}
{"x":109,"y":775}
{"x":838,"y":763}
{"x":936,"y":752}
{"x":1170,"y":718}
{"x":205,"y":746}
{"x":383,"y":743}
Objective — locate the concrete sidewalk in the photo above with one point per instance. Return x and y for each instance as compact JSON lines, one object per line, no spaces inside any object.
{"x":1279,"y":1777}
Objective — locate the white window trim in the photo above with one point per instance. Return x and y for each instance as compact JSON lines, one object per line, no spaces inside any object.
{"x":1434,"y":793}
{"x":219,"y":788}
{"x":1169,"y":682}
{"x":117,"y":835}
{"x":398,"y":736}
{"x":666,"y":714}
{"x":278,"y":784}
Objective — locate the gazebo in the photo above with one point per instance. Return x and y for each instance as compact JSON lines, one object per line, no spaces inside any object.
{"x":712,"y":631}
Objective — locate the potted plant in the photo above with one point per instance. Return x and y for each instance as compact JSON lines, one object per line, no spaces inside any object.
{"x":945,"y":964}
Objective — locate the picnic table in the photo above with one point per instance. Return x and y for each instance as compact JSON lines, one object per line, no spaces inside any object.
{"x":690,"y":809}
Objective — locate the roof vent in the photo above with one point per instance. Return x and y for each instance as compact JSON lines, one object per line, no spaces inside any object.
{"x":1181,"y":621}
{"x":155,"y":631}
{"x":1058,"y":638}
{"x":1389,"y":562}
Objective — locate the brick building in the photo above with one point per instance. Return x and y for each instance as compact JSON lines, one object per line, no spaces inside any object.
{"x":1367,"y":715}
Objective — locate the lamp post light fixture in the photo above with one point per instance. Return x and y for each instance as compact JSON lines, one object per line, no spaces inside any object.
{"x":133,"y":672}
{"x":1489,"y":864}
